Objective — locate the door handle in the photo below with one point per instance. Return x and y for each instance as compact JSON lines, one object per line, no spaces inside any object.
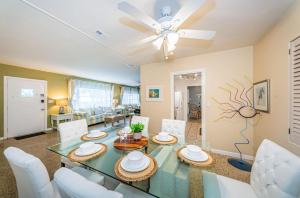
{"x":42,"y":109}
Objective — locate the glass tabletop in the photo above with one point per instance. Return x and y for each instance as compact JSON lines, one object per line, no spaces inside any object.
{"x":173,"y":178}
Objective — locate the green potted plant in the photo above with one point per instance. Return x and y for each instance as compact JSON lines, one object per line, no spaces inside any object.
{"x":137,"y":130}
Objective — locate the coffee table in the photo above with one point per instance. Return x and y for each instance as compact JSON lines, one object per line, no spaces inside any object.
{"x":114,"y":118}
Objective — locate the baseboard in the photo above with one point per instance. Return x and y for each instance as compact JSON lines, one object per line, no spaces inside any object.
{"x":48,"y":129}
{"x":232,"y":154}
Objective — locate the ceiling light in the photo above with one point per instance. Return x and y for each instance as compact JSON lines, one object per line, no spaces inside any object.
{"x":158,"y":42}
{"x":172,"y":38}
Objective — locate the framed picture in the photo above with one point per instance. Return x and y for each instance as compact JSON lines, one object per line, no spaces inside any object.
{"x":261,"y":96}
{"x":154,"y":93}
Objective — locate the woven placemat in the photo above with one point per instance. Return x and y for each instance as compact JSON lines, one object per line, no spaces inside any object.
{"x":173,"y":141}
{"x":85,"y":138}
{"x":136,"y":176}
{"x":76,"y":158}
{"x":208,"y":162}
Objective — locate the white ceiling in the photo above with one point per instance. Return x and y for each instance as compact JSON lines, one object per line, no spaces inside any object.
{"x":60,"y":36}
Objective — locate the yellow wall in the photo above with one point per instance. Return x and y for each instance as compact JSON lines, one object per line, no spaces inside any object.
{"x":57,"y":86}
{"x":220,"y":68}
{"x":271,"y":61}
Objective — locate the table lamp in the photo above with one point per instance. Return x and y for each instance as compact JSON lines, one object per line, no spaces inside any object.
{"x":62,"y":103}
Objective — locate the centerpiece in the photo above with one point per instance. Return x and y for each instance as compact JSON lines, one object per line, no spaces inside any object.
{"x":137,"y":129}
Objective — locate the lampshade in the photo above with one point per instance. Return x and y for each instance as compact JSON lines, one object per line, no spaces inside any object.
{"x":62,"y":102}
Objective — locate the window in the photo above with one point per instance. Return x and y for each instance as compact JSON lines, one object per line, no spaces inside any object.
{"x":130,"y":96}
{"x":294,"y":132}
{"x":27,"y":93}
{"x":88,"y":94}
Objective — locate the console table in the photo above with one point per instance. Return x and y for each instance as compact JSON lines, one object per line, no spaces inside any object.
{"x":60,"y":117}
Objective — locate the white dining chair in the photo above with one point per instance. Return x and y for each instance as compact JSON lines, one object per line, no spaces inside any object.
{"x":174,"y":127}
{"x":275,"y":173}
{"x":143,"y":120}
{"x":33,"y":179}
{"x":72,"y":131}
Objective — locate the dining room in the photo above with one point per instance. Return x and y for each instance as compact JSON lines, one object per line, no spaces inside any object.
{"x":150,"y":98}
{"x":114,"y":157}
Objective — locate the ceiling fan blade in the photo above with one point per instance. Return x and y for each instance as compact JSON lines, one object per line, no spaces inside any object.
{"x":138,"y":15}
{"x":196,"y":34}
{"x":185,"y":12}
{"x":149,"y":39}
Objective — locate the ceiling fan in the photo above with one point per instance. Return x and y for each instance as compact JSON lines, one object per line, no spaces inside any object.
{"x":166,"y":27}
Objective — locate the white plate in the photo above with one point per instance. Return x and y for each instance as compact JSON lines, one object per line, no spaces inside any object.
{"x":95,"y":148}
{"x":144,"y":164}
{"x":199,"y":158}
{"x":170,"y":138}
{"x":95,"y":134}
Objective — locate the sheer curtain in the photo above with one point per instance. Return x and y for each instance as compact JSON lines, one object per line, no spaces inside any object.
{"x":88,"y":94}
{"x":130,"y":96}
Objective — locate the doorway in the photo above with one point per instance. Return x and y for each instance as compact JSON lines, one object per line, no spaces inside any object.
{"x":25,"y":106}
{"x":187,"y":90}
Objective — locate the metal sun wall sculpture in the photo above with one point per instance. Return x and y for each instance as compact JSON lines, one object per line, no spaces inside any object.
{"x":238,"y":103}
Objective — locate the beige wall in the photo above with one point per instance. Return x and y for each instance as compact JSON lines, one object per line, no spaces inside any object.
{"x":271,"y":61}
{"x":220,"y":68}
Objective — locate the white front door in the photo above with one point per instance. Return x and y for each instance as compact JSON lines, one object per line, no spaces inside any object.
{"x":26,"y":106}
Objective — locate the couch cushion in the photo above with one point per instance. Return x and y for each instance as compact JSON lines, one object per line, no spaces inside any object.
{"x":275,"y":172}
{"x":231,"y":188}
{"x":98,"y":111}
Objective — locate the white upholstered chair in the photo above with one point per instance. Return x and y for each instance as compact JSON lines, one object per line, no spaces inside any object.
{"x":33,"y":180}
{"x":69,"y":131}
{"x":73,"y":130}
{"x":175,"y":127}
{"x":144,"y":121}
{"x":275,"y":174}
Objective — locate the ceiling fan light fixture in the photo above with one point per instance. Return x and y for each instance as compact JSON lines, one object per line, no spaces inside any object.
{"x":172,"y":38}
{"x":158,"y":42}
{"x":171,"y":47}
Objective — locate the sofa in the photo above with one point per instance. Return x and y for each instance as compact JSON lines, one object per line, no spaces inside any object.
{"x":93,"y":115}
{"x":97,"y":115}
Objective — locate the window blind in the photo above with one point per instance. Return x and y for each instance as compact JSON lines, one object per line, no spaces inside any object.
{"x":294,"y":131}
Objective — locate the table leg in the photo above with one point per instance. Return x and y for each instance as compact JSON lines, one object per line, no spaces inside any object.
{"x":57,"y":123}
{"x":112,"y":123}
{"x":52,"y":124}
{"x":148,"y":186}
{"x":104,"y":122}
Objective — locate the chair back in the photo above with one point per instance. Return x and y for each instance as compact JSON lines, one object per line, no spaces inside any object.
{"x":275,"y":172}
{"x":144,"y":121}
{"x":31,"y":175}
{"x":175,"y":127}
{"x":72,"y":130}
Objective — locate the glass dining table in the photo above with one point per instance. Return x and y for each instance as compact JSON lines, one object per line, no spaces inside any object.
{"x":173,"y":178}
